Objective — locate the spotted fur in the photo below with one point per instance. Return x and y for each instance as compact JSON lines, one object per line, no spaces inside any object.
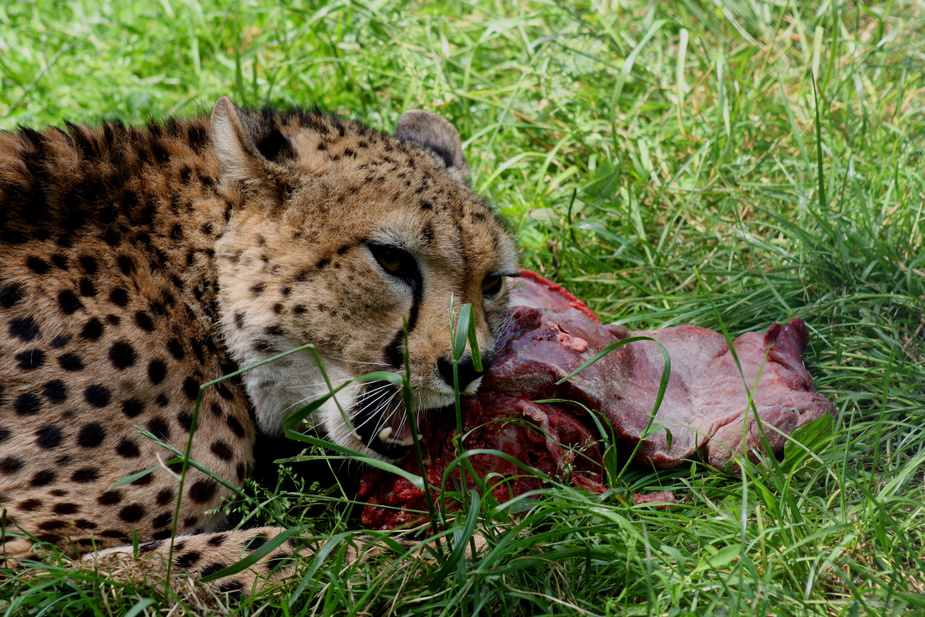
{"x":140,"y":263}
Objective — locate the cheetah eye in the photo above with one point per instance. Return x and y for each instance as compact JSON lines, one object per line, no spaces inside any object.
{"x":492,"y":286}
{"x":395,"y":261}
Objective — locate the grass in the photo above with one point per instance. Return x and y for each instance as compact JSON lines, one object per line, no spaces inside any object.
{"x":723,"y":163}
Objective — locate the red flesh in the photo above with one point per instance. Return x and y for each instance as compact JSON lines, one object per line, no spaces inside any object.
{"x":551,"y":333}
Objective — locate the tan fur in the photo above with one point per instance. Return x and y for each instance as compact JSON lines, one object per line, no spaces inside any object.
{"x":137,"y":264}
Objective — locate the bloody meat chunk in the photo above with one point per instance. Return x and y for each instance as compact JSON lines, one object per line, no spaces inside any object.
{"x":550,"y":334}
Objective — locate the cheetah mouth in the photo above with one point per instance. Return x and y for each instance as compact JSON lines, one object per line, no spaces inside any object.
{"x":381,"y":420}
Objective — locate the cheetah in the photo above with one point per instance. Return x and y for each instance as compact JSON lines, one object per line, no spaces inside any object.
{"x":139,"y":263}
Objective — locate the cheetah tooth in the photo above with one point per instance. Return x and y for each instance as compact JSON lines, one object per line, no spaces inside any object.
{"x":385,"y":433}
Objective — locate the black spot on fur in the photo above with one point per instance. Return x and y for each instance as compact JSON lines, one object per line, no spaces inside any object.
{"x":85,"y":524}
{"x":126,"y":264}
{"x":157,"y":370}
{"x":216,"y":540}
{"x":92,"y":330}
{"x":85,"y":475}
{"x":144,"y":321}
{"x":43,"y":478}
{"x":11,"y":294}
{"x":10,"y":465}
{"x":31,"y":359}
{"x":66,"y":508}
{"x":144,"y":480}
{"x":235,"y":426}
{"x":185,"y":420}
{"x":118,"y":296}
{"x":127,"y":448}
{"x":175,"y":348}
{"x":48,"y":436}
{"x":112,"y":238}
{"x":91,"y":435}
{"x":61,"y":261}
{"x":224,"y":391}
{"x":164,"y":496}
{"x":264,"y":346}
{"x":55,"y":391}
{"x":222,"y":450}
{"x":299,"y":543}
{"x":203,"y":491}
{"x":197,"y":137}
{"x":231,"y":587}
{"x":24,"y":329}
{"x":27,"y":404}
{"x":188,"y":560}
{"x":89,"y":264}
{"x":132,"y":407}
{"x":212,"y":568}
{"x":37,"y":265}
{"x":122,"y":355}
{"x":71,"y":362}
{"x":256,"y":542}
{"x":30,"y":505}
{"x":149,"y":547}
{"x":132,"y":513}
{"x":159,"y":428}
{"x":275,"y":146}
{"x":87,"y":289}
{"x":191,"y":388}
{"x":97,"y":395}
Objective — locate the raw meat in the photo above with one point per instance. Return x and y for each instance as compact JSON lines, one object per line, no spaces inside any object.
{"x":706,"y":406}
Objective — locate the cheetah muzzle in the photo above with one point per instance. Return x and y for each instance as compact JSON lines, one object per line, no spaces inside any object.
{"x":139,"y":263}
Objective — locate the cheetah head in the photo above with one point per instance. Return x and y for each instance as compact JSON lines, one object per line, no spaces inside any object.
{"x":357,"y":243}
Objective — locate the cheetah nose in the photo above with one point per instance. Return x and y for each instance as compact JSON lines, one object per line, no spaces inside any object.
{"x":465,"y":368}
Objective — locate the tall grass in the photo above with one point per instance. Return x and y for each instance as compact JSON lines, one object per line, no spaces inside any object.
{"x":724,"y":162}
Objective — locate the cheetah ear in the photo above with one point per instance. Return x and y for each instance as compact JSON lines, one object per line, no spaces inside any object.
{"x":245,"y":146}
{"x":438,"y":137}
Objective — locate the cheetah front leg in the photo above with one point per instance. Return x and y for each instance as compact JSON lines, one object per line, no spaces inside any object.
{"x":257,"y":557}
{"x":254,"y":558}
